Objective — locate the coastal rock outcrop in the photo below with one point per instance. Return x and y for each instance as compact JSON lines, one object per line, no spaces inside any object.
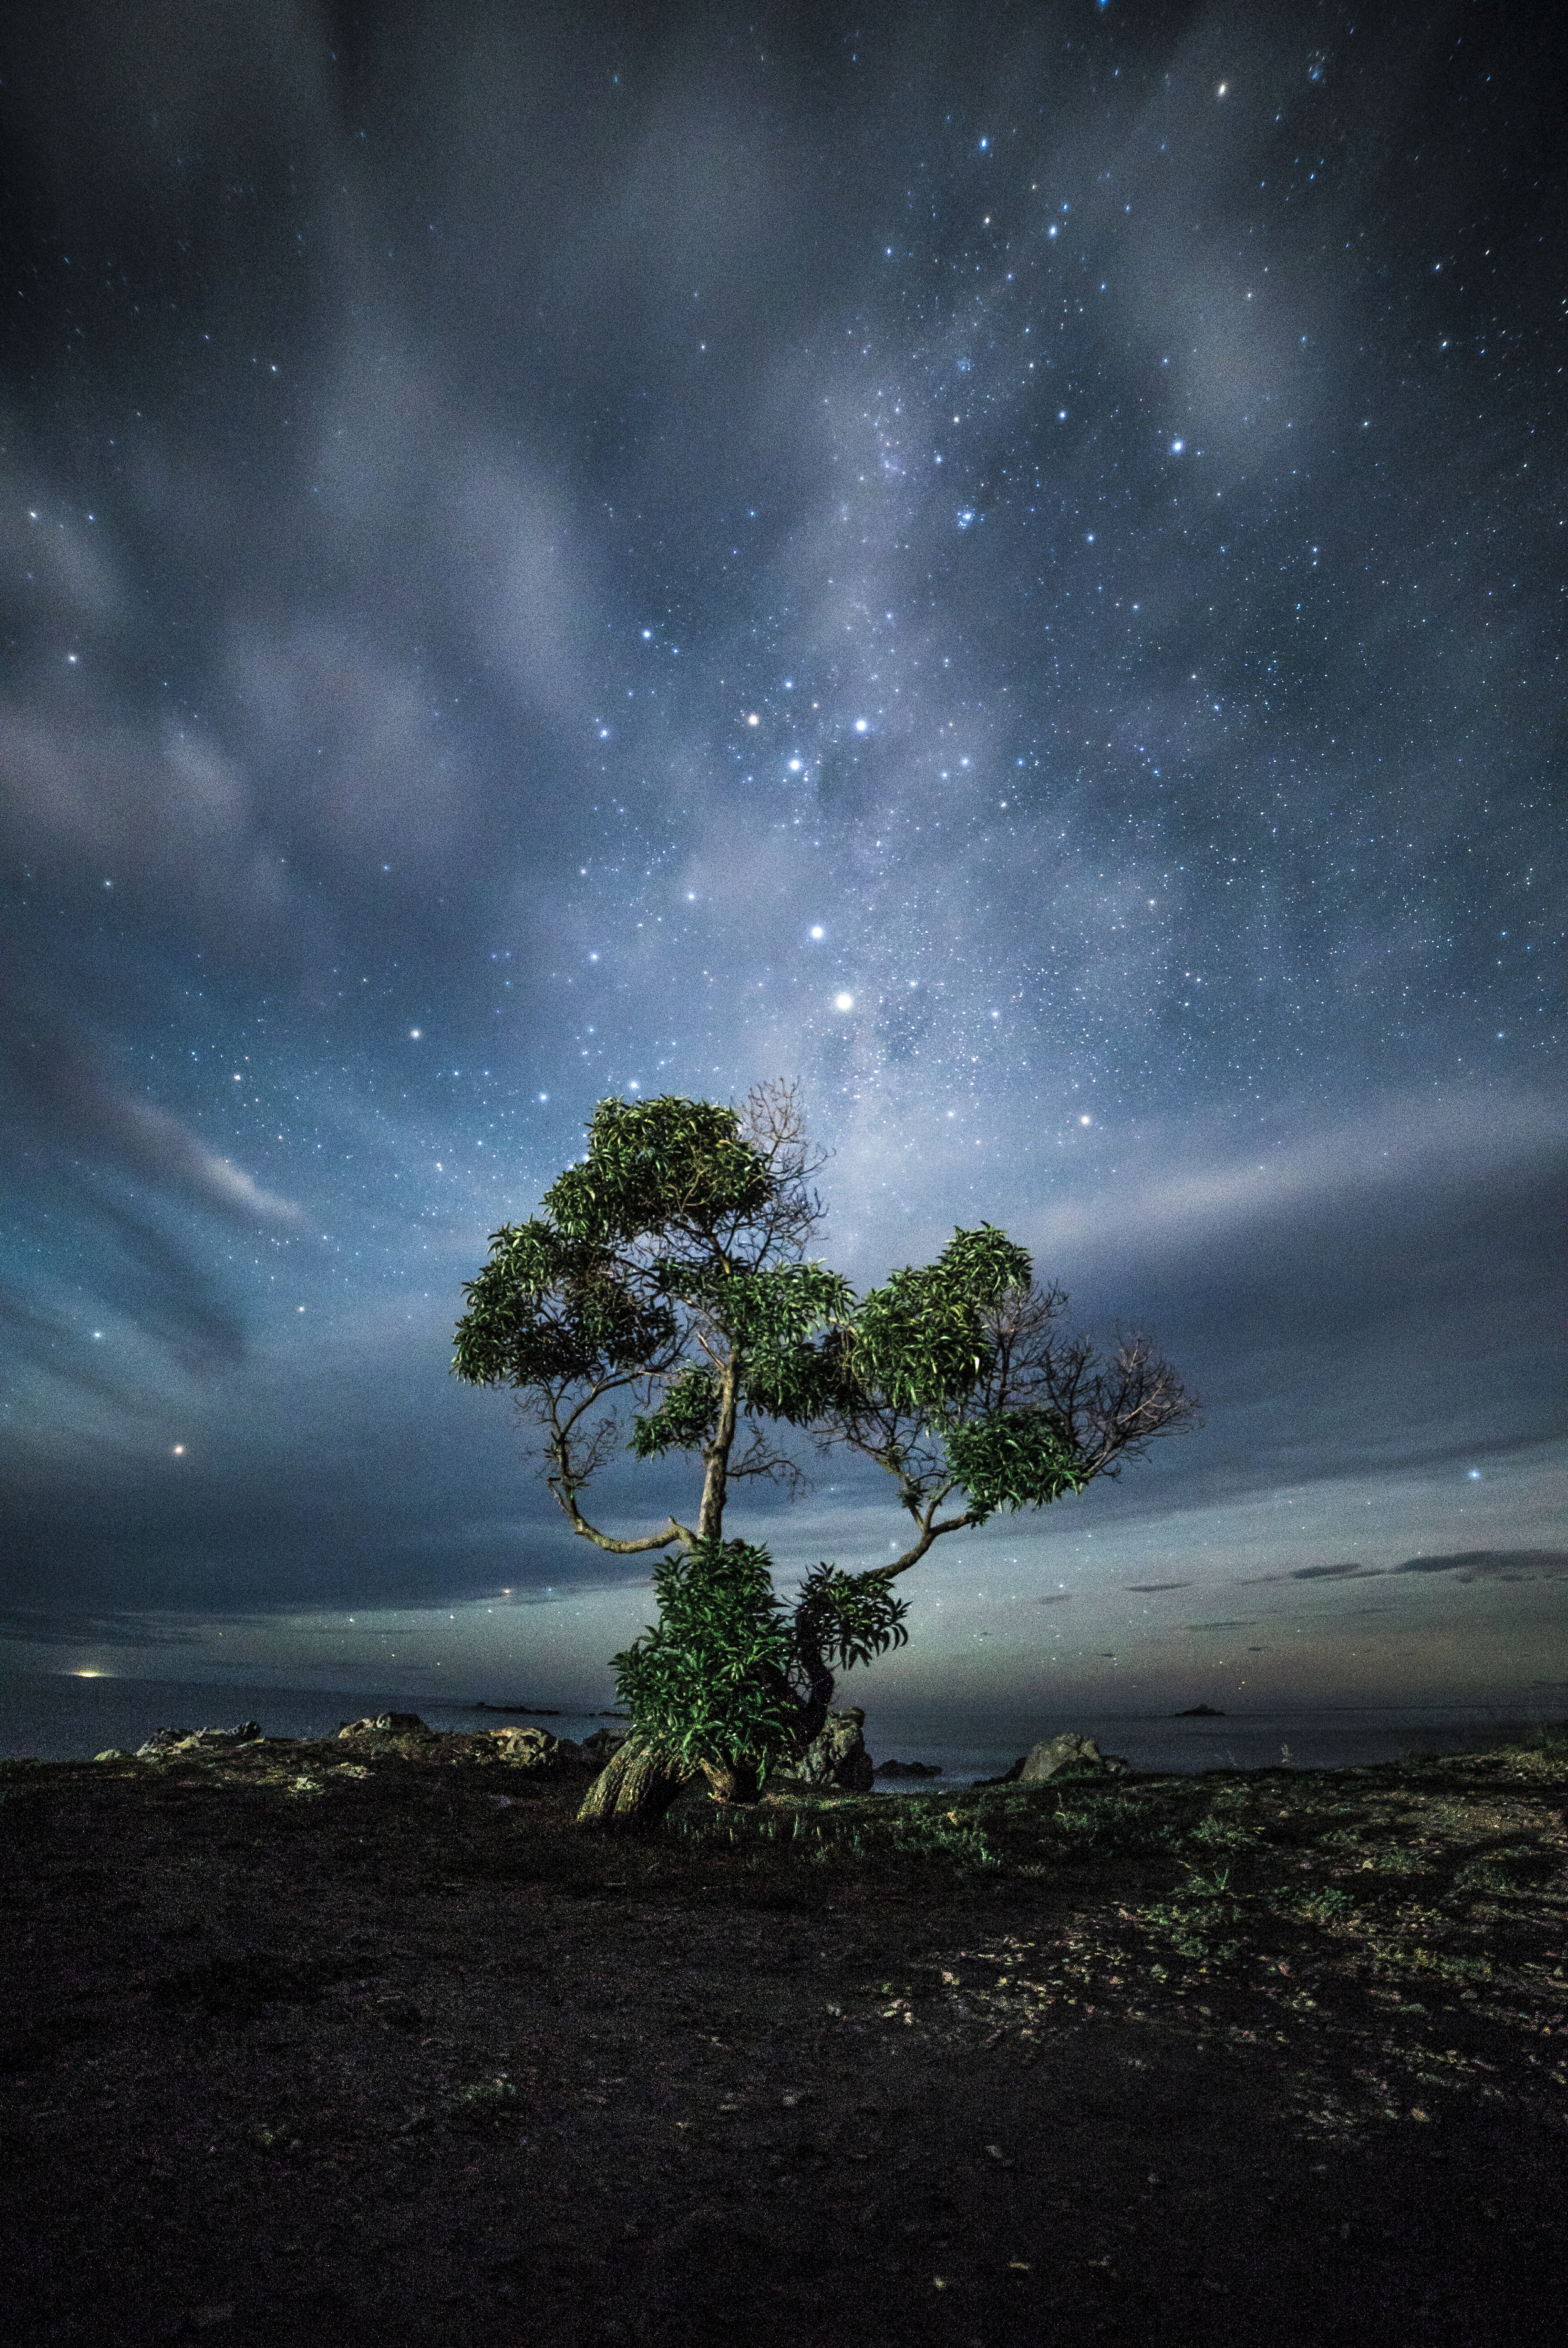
{"x":836,"y":1758}
{"x":1067,"y":1756}
{"x":535,"y":1748}
{"x":196,"y":1740}
{"x":908,"y":1769}
{"x":386,"y":1723}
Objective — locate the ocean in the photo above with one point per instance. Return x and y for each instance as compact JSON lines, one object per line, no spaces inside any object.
{"x":58,"y":1717}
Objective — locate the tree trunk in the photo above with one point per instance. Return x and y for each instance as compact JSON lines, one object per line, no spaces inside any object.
{"x":732,"y":1781}
{"x":634,"y":1788}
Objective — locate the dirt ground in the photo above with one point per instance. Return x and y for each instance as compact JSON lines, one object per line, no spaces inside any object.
{"x":364,"y":2040}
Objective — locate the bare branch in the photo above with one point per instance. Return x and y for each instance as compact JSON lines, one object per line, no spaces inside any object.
{"x":761,"y":1459}
{"x":565,"y":1496}
{"x":931,"y":1531}
{"x":1112,"y":1412}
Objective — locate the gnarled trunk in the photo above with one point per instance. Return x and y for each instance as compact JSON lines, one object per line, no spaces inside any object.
{"x":732,"y":1781}
{"x":634,"y":1788}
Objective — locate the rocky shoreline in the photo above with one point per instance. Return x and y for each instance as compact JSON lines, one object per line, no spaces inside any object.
{"x":836,"y":1758}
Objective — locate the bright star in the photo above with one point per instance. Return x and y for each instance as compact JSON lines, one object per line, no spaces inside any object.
{"x":844,"y":1001}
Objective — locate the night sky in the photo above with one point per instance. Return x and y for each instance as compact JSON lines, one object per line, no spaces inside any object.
{"x":1006,"y":564}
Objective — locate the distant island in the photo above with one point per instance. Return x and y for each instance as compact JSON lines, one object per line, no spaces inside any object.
{"x":539,"y":1711}
{"x":1198,"y":1712}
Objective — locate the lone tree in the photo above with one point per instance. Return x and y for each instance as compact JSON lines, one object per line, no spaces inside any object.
{"x":669,"y":1269}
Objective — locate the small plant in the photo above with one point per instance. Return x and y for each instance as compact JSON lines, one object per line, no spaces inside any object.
{"x":1396,"y":1859}
{"x":1450,"y":1969}
{"x":1483,"y":1875}
{"x":1224,"y":1833}
{"x":486,"y":2103}
{"x":940,"y":1834}
{"x":1329,"y":1906}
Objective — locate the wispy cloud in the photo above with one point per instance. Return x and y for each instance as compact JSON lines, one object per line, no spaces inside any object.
{"x":60,"y":1090}
{"x":1468,"y":1565}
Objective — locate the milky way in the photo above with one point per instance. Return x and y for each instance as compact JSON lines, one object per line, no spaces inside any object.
{"x":1007,"y":566}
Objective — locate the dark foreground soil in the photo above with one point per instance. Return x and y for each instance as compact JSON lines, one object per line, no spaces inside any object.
{"x":322,"y":2043}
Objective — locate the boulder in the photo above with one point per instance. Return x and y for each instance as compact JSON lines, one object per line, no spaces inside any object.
{"x":1066,"y":1756}
{"x":535,"y":1748}
{"x":908,"y":1769}
{"x":386,"y":1723}
{"x":197,"y":1740}
{"x":836,"y":1758}
{"x":604,"y":1743}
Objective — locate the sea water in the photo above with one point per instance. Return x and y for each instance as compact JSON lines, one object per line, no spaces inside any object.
{"x":61,"y":1718}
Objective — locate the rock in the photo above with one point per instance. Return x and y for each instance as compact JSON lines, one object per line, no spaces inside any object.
{"x":196,"y":1740}
{"x":535,"y":1748}
{"x":114,"y":1753}
{"x":1198,"y":1712}
{"x":386,"y":1723}
{"x":1070,"y":1755}
{"x":1057,"y":1757}
{"x":836,"y":1758}
{"x":603,"y":1743}
{"x":908,"y":1769}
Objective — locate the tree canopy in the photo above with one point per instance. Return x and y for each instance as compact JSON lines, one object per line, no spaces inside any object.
{"x":668,"y":1275}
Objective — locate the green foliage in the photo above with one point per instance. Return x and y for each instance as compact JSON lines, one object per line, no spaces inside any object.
{"x":920,"y":1341}
{"x":848,"y":1618}
{"x":684,"y":1420}
{"x":634,"y":1240}
{"x":710,"y":1683}
{"x":546,"y":1312}
{"x":770,"y":1318}
{"x":658,"y":1162}
{"x":1013,"y":1459}
{"x":723,"y":1676}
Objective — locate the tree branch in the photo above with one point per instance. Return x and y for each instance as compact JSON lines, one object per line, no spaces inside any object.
{"x":566,"y":1498}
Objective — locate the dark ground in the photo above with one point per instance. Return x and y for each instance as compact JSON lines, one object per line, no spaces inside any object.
{"x":290,"y":2056}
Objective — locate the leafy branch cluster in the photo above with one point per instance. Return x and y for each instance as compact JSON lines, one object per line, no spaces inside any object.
{"x":727,"y":1676}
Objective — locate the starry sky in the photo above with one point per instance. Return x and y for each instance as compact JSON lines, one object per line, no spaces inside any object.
{"x":1005,"y":564}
